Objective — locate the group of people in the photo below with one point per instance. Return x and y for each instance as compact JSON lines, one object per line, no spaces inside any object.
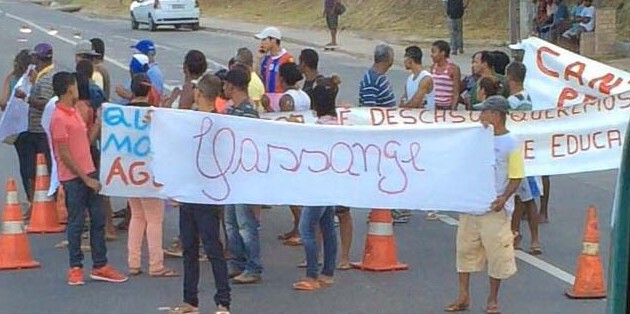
{"x":251,"y":85}
{"x":554,"y":21}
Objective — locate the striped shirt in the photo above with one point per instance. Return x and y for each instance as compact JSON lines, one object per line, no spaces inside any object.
{"x":41,"y":90}
{"x":245,"y":109}
{"x":443,"y":86}
{"x":375,"y":91}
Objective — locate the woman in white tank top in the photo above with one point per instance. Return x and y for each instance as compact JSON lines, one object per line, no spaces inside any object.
{"x":293,"y":99}
{"x":413,"y":85}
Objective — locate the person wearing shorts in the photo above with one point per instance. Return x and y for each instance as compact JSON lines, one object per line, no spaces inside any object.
{"x":487,"y":238}
{"x":332,"y":20}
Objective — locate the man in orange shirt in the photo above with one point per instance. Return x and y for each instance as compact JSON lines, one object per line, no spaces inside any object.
{"x":78,"y":175}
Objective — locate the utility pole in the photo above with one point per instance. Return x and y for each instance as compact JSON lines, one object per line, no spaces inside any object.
{"x":514,"y":17}
{"x":619,"y":257}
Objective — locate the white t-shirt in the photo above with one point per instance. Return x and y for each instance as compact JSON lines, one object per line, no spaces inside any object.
{"x":589,"y":12}
{"x":301,"y":100}
{"x":46,"y":120}
{"x":509,"y":164}
{"x":413,"y":85}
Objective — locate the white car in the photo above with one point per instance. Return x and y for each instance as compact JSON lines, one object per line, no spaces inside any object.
{"x":156,"y":13}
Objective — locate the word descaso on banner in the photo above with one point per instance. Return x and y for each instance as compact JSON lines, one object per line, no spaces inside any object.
{"x":219,"y":159}
{"x":580,"y":138}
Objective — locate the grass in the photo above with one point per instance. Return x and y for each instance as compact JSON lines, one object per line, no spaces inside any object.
{"x":485,"y":19}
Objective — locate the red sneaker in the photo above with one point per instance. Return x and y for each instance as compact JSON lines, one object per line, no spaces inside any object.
{"x":108,"y":273}
{"x":75,"y":276}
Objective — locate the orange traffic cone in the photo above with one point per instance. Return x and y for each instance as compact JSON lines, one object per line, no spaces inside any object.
{"x":15,"y":251}
{"x":44,"y":213}
{"x":62,"y":211}
{"x":589,"y":279}
{"x":380,"y":245}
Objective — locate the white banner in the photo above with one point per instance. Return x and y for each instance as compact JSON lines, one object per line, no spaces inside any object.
{"x":219,"y":159}
{"x":14,"y":120}
{"x":581,"y":138}
{"x":559,"y":78}
{"x":125,"y":153}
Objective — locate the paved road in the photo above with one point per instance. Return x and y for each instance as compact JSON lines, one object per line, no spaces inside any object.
{"x":428,"y":247}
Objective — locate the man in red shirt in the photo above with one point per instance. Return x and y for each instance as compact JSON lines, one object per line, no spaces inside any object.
{"x":76,"y":171}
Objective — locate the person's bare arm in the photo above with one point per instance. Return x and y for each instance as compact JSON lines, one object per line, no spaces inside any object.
{"x":124,"y":93}
{"x":6,"y":91}
{"x":499,"y":204}
{"x":66,"y":158}
{"x":457,"y":78}
{"x":96,"y":128}
{"x":417,"y":101}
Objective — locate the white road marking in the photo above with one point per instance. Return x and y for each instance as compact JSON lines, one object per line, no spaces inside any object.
{"x":110,"y":60}
{"x":529,"y":259}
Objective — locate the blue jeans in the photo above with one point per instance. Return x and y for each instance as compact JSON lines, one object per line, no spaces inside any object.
{"x":311,"y":218}
{"x":79,"y":200}
{"x":28,"y":145}
{"x":203,"y":221}
{"x":243,"y":240}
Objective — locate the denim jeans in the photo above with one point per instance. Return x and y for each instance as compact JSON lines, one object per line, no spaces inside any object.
{"x":203,"y":221}
{"x":323,"y":217}
{"x":27,"y":146}
{"x":243,"y":240}
{"x":456,"y":29}
{"x":79,"y":200}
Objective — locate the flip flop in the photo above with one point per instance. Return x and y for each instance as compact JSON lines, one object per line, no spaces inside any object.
{"x":293,"y":241}
{"x":135,"y":271}
{"x":164,"y":273}
{"x":325,"y":281}
{"x":493,"y":310}
{"x":286,"y":236}
{"x":306,"y":285}
{"x":457,"y":307}
{"x":344,"y":267}
{"x":535,"y":250}
{"x":184,"y":309}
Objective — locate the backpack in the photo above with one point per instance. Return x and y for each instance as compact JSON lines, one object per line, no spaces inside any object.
{"x":525,"y":104}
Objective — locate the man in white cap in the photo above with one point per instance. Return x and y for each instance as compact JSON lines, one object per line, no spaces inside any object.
{"x":273,"y":57}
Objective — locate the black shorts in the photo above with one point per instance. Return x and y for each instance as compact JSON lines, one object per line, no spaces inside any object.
{"x":332,"y":21}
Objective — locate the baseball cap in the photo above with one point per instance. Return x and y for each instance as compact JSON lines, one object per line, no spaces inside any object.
{"x":43,"y":50}
{"x":271,"y":31}
{"x":145,"y":46}
{"x":498,"y":103}
{"x":139,"y":63}
{"x":84,"y":47}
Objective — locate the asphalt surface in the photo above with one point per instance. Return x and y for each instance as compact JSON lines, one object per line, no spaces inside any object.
{"x":427,"y":246}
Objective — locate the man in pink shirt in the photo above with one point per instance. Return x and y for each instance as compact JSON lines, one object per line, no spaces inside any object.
{"x":71,"y":145}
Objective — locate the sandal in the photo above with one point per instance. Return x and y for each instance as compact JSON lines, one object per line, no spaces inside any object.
{"x":457,"y":306}
{"x":344,"y":266}
{"x":493,"y":310}
{"x":135,"y":271}
{"x":185,"y":308}
{"x":325,"y":281}
{"x":293,"y":241}
{"x":164,"y":272}
{"x":535,"y":250}
{"x":517,"y":241}
{"x":287,"y":236}
{"x":307,"y":284}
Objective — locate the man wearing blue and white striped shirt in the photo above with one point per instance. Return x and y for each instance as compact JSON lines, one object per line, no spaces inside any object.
{"x":375,"y":89}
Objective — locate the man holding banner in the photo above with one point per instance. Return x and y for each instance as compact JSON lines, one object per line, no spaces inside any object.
{"x":489,"y":237}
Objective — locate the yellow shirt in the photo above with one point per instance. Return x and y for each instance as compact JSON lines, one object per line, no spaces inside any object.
{"x":256,"y":88}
